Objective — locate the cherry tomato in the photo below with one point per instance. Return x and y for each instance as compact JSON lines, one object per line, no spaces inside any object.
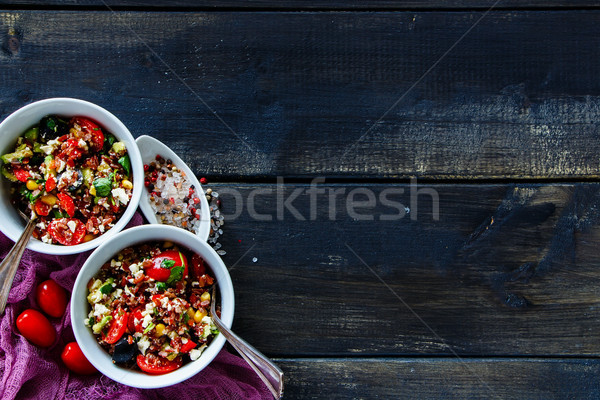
{"x":135,"y":326}
{"x":186,"y":348}
{"x":117,"y":327}
{"x":97,"y":137}
{"x":74,"y":359}
{"x":66,"y":203}
{"x":61,"y":232}
{"x":155,"y":365}
{"x":36,"y":328}
{"x":161,"y":266}
{"x":21,"y":174}
{"x":41,"y":208}
{"x":50,"y":183}
{"x":51,"y":298}
{"x":198,"y":267}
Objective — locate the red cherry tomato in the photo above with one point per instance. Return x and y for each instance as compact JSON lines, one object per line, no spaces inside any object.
{"x":132,"y":325}
{"x":161,"y":266}
{"x":21,"y":174}
{"x":88,"y":126}
{"x":36,"y":328}
{"x":74,"y":359}
{"x":61,"y":232}
{"x":66,"y":203}
{"x":51,"y":298}
{"x":155,"y":365}
{"x":41,"y":208}
{"x":117,"y":327}
{"x":50,"y":183}
{"x":186,"y":348}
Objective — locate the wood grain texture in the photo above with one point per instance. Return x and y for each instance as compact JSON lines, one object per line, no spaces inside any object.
{"x":303,"y":94}
{"x":437,"y":379}
{"x":506,"y":270}
{"x":308,"y":4}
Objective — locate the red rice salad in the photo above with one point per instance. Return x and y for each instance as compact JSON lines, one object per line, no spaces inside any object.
{"x":75,"y":176}
{"x":150,"y":305}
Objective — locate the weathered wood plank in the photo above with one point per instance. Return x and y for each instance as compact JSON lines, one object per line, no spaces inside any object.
{"x":441,"y":379}
{"x":309,"y":4}
{"x":518,"y":97}
{"x":506,"y":270}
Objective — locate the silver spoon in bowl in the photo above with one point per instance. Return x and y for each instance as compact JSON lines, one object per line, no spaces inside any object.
{"x":270,"y":373}
{"x":9,"y":265}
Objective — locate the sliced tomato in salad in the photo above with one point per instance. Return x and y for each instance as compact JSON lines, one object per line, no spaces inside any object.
{"x":20,"y":173}
{"x":187,"y":347}
{"x":66,"y":203}
{"x":97,"y":137}
{"x":67,"y":231}
{"x":156,"y":365}
{"x":41,"y":208}
{"x":117,"y":326}
{"x":135,"y":315}
{"x":162,"y":264}
{"x":50,"y":183}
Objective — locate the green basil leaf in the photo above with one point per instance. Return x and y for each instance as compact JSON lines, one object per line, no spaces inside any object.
{"x":126,"y":164}
{"x":167,"y":263}
{"x":176,"y":275}
{"x":161,"y":286}
{"x":103,"y":186}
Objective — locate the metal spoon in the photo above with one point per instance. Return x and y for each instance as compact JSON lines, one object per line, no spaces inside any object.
{"x":9,"y":265}
{"x":270,"y":373}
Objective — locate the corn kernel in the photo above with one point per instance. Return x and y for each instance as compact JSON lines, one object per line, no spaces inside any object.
{"x":205,"y":296}
{"x":93,"y":190}
{"x":127,"y":184}
{"x":191,"y":312}
{"x":49,"y":199}
{"x":159,"y":330}
{"x":201,"y":313}
{"x":31,"y":184}
{"x":88,"y":237}
{"x":167,"y":244}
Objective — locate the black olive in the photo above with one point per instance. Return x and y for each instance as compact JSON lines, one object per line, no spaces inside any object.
{"x":51,"y":127}
{"x":124,"y":352}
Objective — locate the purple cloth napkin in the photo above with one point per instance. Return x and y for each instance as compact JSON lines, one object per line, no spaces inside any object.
{"x":30,"y":372}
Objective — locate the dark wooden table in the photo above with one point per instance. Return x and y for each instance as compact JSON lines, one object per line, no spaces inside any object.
{"x":491,"y":114}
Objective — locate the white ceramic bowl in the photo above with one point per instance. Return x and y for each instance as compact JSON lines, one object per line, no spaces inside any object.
{"x":149,"y":148}
{"x":104,"y":253}
{"x":19,"y":121}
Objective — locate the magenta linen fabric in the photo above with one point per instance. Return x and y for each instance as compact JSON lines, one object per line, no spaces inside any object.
{"x":29,"y":372}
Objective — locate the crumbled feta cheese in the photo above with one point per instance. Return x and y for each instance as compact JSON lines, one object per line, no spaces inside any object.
{"x":100,"y":309}
{"x":120,"y":195}
{"x":49,"y":147}
{"x":138,"y":274}
{"x":134,"y":268}
{"x":195,"y":353}
{"x":146,"y":321}
{"x":72,"y":226}
{"x":101,"y":228}
{"x":46,"y":238}
{"x":143,"y":344}
{"x":115,"y":263}
{"x":82,"y":144}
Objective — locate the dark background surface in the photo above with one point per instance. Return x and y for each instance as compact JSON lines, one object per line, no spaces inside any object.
{"x":497,"y":110}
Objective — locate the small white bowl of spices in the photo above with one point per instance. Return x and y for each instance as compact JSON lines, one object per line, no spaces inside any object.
{"x":172,"y":195}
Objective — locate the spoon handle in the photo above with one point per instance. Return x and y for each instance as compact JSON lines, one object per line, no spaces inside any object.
{"x":9,"y":265}
{"x":270,"y":373}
